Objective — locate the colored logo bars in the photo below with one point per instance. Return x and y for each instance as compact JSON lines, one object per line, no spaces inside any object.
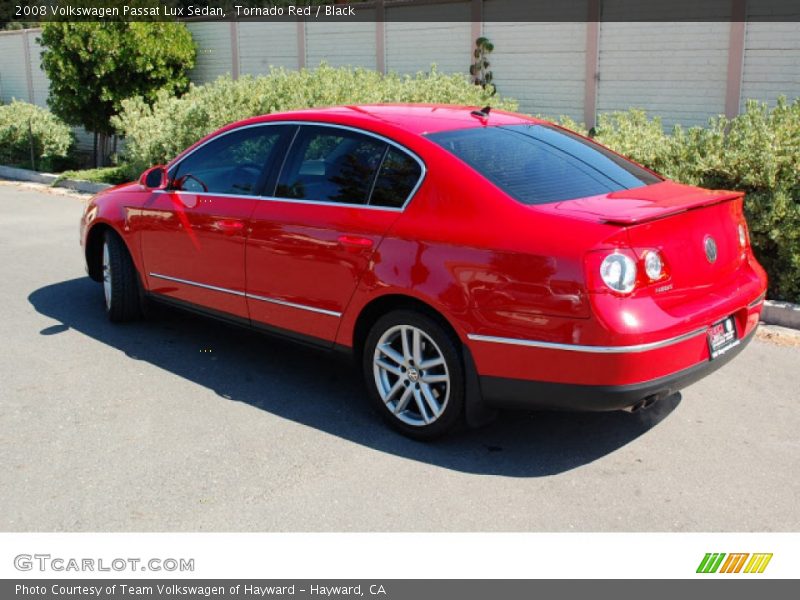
{"x":733,"y":563}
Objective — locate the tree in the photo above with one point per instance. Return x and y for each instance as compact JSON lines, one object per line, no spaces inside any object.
{"x":479,"y":69}
{"x":93,"y":67}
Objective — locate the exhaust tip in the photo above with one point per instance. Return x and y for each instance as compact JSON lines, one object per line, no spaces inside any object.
{"x":643,"y":404}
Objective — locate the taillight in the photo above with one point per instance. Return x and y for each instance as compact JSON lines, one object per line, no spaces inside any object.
{"x":743,"y":237}
{"x":622,"y":270}
{"x":653,"y":264}
{"x":611,"y":271}
{"x":618,"y":272}
{"x":741,"y":227}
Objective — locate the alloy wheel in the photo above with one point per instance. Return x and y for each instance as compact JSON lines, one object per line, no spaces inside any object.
{"x":411,"y":375}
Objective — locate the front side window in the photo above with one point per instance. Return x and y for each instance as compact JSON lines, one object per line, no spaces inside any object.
{"x":538,"y":164}
{"x":232,"y":163}
{"x":331,"y":165}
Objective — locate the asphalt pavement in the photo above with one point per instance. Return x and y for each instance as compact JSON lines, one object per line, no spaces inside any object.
{"x":184,"y":424}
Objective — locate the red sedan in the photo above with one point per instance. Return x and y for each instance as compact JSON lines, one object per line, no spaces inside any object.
{"x":466,"y":259}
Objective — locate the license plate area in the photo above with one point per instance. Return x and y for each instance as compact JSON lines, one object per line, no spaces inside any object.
{"x":722,"y":336}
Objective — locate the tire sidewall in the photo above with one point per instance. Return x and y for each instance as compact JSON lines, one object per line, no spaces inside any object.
{"x":448,"y":346}
{"x":125,"y":287}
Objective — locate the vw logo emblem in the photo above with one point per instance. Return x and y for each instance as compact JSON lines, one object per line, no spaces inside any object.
{"x":711,"y":249}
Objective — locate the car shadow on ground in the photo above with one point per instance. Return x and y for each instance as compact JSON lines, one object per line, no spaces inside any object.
{"x":314,"y":389}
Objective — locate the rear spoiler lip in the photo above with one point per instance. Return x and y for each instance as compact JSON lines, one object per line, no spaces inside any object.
{"x":724,"y":196}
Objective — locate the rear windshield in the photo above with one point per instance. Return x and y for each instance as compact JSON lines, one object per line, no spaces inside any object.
{"x":537,"y":164}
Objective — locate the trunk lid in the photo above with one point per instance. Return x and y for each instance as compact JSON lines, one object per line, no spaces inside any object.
{"x":700,"y":247}
{"x":696,"y":231}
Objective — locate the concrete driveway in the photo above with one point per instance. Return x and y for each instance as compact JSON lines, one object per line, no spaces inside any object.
{"x":184,"y":424}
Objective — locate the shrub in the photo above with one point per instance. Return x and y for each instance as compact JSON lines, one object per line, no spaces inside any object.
{"x":22,"y":123}
{"x":113,"y":175}
{"x":757,"y":152}
{"x":761,"y":156}
{"x":154,"y":134}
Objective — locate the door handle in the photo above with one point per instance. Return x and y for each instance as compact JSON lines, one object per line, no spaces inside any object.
{"x":229,"y":226}
{"x":355,"y":242}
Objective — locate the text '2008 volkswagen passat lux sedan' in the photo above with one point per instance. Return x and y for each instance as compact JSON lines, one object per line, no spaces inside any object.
{"x":466,"y":259}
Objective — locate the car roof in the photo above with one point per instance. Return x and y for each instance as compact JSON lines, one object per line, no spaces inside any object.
{"x":419,"y":119}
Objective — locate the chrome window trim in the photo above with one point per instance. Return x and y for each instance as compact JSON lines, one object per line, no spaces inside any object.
{"x":314,"y":309}
{"x":590,"y":349}
{"x":287,"y":200}
{"x":412,"y":154}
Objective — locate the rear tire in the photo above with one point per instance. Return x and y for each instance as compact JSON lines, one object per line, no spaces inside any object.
{"x":121,"y":287}
{"x":414,"y":373}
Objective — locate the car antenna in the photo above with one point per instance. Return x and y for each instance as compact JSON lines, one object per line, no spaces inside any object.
{"x":482,"y":113}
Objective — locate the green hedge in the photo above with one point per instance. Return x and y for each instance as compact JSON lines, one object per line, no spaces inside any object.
{"x":122,"y":173}
{"x":757,"y":152}
{"x":155,"y":134}
{"x":22,"y":123}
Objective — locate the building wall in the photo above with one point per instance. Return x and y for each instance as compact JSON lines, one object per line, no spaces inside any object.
{"x":214,"y":51}
{"x":260,"y":49}
{"x":13,"y":81}
{"x":541,"y":65}
{"x":341,"y":44}
{"x":412,"y":47}
{"x":771,"y":62}
{"x":679,"y":71}
{"x":40,"y":83}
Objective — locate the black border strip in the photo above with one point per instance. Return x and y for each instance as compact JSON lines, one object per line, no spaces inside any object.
{"x":417,"y":11}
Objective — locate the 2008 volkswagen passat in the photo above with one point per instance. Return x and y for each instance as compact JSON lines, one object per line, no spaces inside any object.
{"x":467,"y":259}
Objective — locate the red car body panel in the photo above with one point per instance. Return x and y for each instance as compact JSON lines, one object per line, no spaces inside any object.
{"x":198,"y":238}
{"x":310,"y":257}
{"x":515,"y":282}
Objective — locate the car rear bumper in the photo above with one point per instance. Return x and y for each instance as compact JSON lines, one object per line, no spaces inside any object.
{"x":504,"y":392}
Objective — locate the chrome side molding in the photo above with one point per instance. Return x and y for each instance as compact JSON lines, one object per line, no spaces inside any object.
{"x":205,"y":286}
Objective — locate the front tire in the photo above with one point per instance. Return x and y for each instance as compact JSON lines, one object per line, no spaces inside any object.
{"x":120,"y":281}
{"x":414,"y":373}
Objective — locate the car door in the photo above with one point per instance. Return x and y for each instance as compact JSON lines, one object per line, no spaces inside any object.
{"x":193,"y":234}
{"x":338,"y":192}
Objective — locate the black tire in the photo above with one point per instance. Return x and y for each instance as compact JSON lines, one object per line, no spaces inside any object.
{"x":434,"y":341}
{"x":123,"y":302}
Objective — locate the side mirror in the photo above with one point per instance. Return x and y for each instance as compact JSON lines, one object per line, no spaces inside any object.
{"x":154,"y":178}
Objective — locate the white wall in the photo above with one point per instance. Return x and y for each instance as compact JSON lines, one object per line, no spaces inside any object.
{"x":265,"y":45}
{"x":13,"y":82}
{"x":41,"y":85}
{"x":412,"y":47}
{"x":541,"y":65}
{"x":214,"y":50}
{"x":771,"y":61}
{"x":342,"y":44}
{"x":675,"y":70}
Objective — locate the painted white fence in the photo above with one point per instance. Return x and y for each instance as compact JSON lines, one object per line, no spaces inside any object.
{"x":684,"y":72}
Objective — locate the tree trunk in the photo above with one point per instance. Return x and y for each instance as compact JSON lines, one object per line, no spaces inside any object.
{"x":103,"y":149}
{"x":32,"y":145}
{"x":94,"y":151}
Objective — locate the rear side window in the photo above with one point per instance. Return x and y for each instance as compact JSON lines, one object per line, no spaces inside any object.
{"x":397,"y":178}
{"x":538,"y":164}
{"x":331,"y":165}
